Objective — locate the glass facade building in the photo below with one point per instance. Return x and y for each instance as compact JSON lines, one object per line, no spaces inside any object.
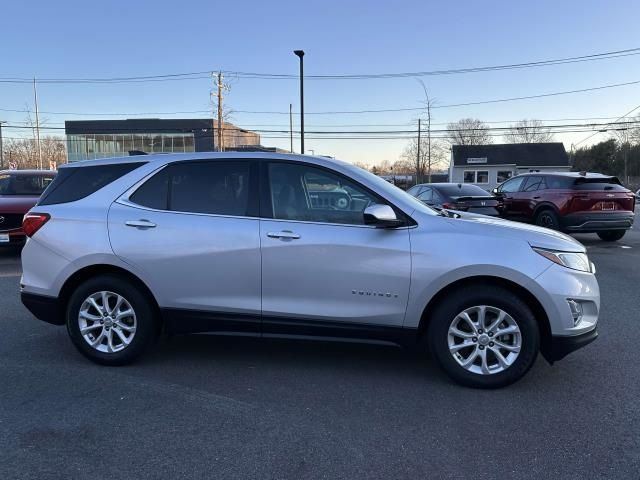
{"x":91,"y":146}
{"x":91,"y":139}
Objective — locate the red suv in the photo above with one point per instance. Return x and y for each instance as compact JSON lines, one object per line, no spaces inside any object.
{"x":19,"y":192}
{"x":569,"y":201}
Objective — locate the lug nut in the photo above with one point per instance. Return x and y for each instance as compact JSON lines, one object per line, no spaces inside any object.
{"x":101,"y":322}
{"x":475,"y":339}
{"x":491,"y":344}
{"x":481,"y":347}
{"x":480,"y":331}
{"x":491,"y":334}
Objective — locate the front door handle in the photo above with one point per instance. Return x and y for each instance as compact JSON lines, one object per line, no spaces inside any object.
{"x":285,"y":234}
{"x":537,"y":197}
{"x":140,"y":224}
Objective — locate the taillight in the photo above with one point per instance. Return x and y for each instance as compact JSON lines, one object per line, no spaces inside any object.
{"x":447,"y":205}
{"x":33,"y":222}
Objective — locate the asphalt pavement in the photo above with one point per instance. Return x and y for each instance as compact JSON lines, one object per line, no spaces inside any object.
{"x":203,"y":406}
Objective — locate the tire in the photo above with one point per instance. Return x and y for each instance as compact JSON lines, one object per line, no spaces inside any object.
{"x":547,"y":218}
{"x":611,"y":235}
{"x":138,"y":329}
{"x":471,"y":299}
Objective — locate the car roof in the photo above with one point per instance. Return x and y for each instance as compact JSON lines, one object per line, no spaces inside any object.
{"x":195,"y":156}
{"x":28,"y":172}
{"x":447,"y":184}
{"x":567,"y":174}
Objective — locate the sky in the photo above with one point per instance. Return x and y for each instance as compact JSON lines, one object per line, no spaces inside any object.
{"x":80,"y":39}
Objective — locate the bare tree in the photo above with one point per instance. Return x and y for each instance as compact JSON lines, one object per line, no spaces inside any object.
{"x":528,"y":131}
{"x":626,"y":131}
{"x":24,"y":152}
{"x":420,"y":164}
{"x":469,"y":131}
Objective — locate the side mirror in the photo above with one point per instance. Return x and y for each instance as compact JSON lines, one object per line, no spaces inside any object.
{"x":382,"y":216}
{"x":495,"y":191}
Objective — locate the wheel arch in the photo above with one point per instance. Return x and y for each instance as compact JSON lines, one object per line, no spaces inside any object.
{"x":83,"y":274}
{"x":485,"y":280}
{"x":545,"y":206}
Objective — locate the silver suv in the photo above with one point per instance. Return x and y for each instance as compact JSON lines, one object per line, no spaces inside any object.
{"x":285,"y":245}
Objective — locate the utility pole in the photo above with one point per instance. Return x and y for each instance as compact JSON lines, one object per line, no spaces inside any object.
{"x":291,"y":126}
{"x":35,"y":96}
{"x":1,"y":148}
{"x":220,"y":120}
{"x":418,"y":157}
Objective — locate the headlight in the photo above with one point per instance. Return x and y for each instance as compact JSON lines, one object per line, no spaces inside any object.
{"x":575,"y":261}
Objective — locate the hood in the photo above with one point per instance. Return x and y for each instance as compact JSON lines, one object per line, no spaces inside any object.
{"x":534,"y":235}
{"x":17,"y":203}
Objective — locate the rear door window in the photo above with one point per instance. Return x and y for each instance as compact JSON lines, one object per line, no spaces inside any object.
{"x":75,"y":183}
{"x":533,"y":184}
{"x":217,"y":188}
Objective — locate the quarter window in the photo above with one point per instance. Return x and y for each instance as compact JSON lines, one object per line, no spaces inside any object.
{"x":305,"y":193}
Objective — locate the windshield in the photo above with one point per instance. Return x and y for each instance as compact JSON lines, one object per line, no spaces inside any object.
{"x":32,"y":185}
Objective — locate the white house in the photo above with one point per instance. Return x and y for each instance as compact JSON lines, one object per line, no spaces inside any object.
{"x":489,"y":165}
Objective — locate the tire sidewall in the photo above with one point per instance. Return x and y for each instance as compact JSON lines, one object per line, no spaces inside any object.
{"x":447,"y":310}
{"x":611,"y":235}
{"x":145,"y":328}
{"x":555,"y":223}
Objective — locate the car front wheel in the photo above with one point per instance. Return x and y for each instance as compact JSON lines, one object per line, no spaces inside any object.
{"x":484,"y":337}
{"x":110,"y":320}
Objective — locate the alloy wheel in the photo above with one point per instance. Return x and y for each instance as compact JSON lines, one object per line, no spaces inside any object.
{"x":107,"y":321}
{"x":484,"y":340}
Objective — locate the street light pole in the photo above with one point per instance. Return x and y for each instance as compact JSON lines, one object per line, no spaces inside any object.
{"x":300,"y":55}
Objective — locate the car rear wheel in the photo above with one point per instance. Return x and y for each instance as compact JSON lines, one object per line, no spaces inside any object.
{"x":611,"y":235}
{"x":110,"y":320}
{"x":548,"y":219}
{"x":484,"y":337}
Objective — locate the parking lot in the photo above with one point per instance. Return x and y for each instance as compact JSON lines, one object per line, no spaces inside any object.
{"x":219,"y":407}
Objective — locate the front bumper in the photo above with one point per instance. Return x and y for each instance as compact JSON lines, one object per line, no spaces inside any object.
{"x":560,"y":347}
{"x":43,"y":308}
{"x":597,"y":221}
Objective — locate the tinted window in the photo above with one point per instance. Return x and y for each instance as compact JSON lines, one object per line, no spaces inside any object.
{"x":460,"y":190}
{"x":74,"y":183}
{"x":512,"y":185}
{"x":559,"y":183}
{"x":599,"y":184}
{"x":154,"y":193}
{"x":23,"y":184}
{"x":533,"y":184}
{"x":220,"y":188}
{"x":300,"y":192}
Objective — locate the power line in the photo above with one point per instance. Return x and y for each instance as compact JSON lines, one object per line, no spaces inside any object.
{"x":205,"y":74}
{"x":615,"y":121}
{"x":342,"y":112}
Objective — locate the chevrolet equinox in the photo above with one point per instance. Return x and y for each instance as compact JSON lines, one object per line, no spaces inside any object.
{"x":122,"y":249}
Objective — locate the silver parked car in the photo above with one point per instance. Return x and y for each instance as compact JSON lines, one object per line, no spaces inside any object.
{"x":288,"y":245}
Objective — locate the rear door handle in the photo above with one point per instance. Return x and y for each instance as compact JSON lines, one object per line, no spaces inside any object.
{"x":140,"y":224}
{"x":285,"y":234}
{"x":537,"y":197}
